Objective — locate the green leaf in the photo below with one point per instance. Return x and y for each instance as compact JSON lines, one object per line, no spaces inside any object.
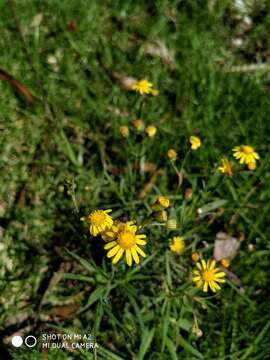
{"x":189,"y":348}
{"x":106,"y":354}
{"x":171,"y":348}
{"x":94,"y":296}
{"x":147,"y":337}
{"x":213,"y":206}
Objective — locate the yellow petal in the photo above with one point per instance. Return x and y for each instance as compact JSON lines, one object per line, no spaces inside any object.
{"x":110,"y":245}
{"x":128,"y":257}
{"x":113,"y":251}
{"x":199,"y":266}
{"x":140,"y":242}
{"x":205,"y":286}
{"x":140,"y":251}
{"x":135,"y":255}
{"x":203,"y":264}
{"x":118,"y":256}
{"x":213,"y":264}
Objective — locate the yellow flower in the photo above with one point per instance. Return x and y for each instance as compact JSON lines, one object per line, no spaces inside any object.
{"x":225,"y":263}
{"x":195,"y":256}
{"x":163,"y":201}
{"x":151,"y":131}
{"x":111,"y":233}
{"x":252,"y":166}
{"x":227,"y":167}
{"x":124,"y":131}
{"x":195,"y":142}
{"x":154,"y":92}
{"x":177,"y":244}
{"x":172,"y":154}
{"x":127,"y":241}
{"x":99,"y":221}
{"x":138,"y":124}
{"x":143,"y":87}
{"x":245,"y":154}
{"x":207,"y":274}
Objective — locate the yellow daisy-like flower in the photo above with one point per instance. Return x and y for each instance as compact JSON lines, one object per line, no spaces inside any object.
{"x":172,"y":154}
{"x":127,"y":241}
{"x":151,"y":131}
{"x":177,"y":245}
{"x":99,"y":221}
{"x":245,"y":154}
{"x":111,"y":234}
{"x":252,"y":166}
{"x":208,"y":275}
{"x":227,"y":167}
{"x":124,"y":131}
{"x":163,"y":201}
{"x":195,"y":142}
{"x":143,"y":87}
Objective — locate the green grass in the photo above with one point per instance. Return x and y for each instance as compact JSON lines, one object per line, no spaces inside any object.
{"x":64,"y":156}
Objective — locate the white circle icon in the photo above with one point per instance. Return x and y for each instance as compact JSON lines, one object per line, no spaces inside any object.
{"x":30,"y":341}
{"x":17,"y":341}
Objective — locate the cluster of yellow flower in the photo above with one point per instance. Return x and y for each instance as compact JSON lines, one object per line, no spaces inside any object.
{"x":245,"y":154}
{"x":121,"y":237}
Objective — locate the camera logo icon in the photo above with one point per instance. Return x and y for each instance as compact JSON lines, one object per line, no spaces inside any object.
{"x":30,"y":341}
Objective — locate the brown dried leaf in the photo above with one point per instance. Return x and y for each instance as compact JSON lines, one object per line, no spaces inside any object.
{"x":126,"y":82}
{"x":159,"y":49}
{"x":17,"y":86}
{"x":225,"y":246}
{"x":64,"y":312}
{"x":149,"y":186}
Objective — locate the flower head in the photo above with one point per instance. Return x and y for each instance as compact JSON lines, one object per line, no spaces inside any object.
{"x":151,"y":131}
{"x":143,"y":87}
{"x":138,"y":124}
{"x":172,"y":154}
{"x":195,"y":256}
{"x":208,"y":275}
{"x":99,"y":221}
{"x":225,"y":263}
{"x":177,"y":244}
{"x":154,"y":92}
{"x":227,"y":167}
{"x":245,"y":154}
{"x":195,"y":142}
{"x":111,"y":233}
{"x":124,"y":131}
{"x":163,"y":201}
{"x":127,"y":242}
{"x":171,"y":224}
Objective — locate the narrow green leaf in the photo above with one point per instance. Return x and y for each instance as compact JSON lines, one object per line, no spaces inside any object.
{"x":147,"y":337}
{"x":189,"y":348}
{"x":94,"y":296}
{"x":171,"y":348}
{"x":213,"y":205}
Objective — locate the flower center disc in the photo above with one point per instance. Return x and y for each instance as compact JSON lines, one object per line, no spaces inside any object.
{"x":207,"y":275}
{"x":247,"y":149}
{"x":126,"y":240}
{"x":97,"y":218}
